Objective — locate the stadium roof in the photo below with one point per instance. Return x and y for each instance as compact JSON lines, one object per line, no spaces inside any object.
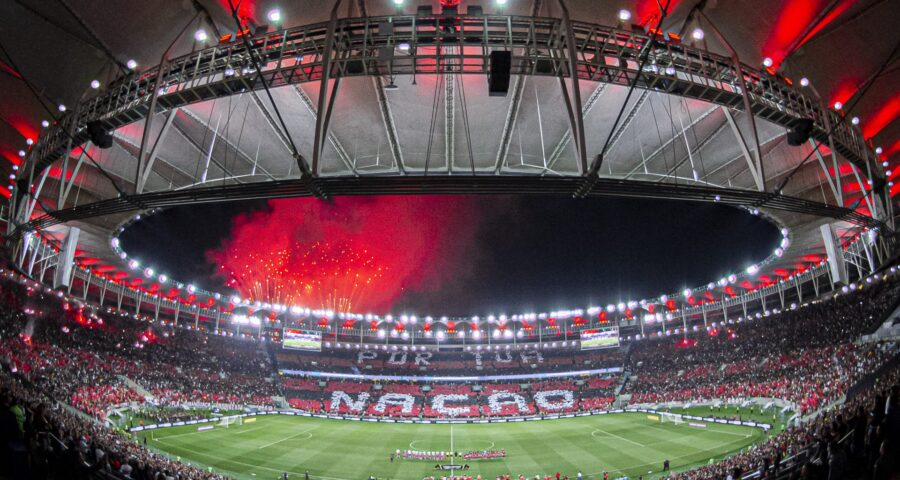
{"x":436,"y":129}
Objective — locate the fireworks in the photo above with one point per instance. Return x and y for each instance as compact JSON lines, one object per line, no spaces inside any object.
{"x":329,"y":275}
{"x":348,"y":254}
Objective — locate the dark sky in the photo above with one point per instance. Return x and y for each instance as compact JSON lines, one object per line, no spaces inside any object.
{"x":529,"y":253}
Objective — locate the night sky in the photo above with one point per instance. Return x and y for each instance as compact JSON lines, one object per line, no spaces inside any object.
{"x":517,"y":254}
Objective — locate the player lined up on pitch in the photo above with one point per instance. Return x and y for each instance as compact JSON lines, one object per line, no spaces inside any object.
{"x":467,"y":455}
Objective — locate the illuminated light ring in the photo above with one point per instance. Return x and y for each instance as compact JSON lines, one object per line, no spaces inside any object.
{"x":782,"y":105}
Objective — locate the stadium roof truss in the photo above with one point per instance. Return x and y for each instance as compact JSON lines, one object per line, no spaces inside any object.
{"x":400,"y":105}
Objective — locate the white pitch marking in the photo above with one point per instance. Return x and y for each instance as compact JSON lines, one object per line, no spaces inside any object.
{"x":614,"y":435}
{"x":288,"y":438}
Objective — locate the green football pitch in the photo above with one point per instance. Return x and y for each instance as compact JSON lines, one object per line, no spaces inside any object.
{"x":626,"y":444}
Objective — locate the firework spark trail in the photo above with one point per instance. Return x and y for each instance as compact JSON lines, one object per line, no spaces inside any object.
{"x":350,"y":254}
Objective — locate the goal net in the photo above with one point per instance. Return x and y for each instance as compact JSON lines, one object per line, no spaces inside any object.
{"x":670,"y":418}
{"x":232,"y":420}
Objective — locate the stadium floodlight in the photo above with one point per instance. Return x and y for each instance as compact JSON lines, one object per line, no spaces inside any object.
{"x":61,"y":107}
{"x":621,"y":306}
{"x":201,"y":36}
{"x":131,"y":64}
{"x":878,"y":150}
{"x":148,"y":272}
{"x":274,"y":15}
{"x":804,"y":82}
{"x":624,"y":15}
{"x":133,"y":264}
{"x":752,"y":269}
{"x":768,"y":62}
{"x":698,"y":34}
{"x":45,"y":123}
{"x":838,"y":105}
{"x":687,"y":292}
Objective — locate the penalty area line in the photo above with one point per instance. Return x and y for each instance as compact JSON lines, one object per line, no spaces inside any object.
{"x":614,"y":435}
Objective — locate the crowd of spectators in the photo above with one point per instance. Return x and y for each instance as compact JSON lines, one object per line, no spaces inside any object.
{"x":806,"y":356}
{"x":93,"y":361}
{"x":317,"y":396}
{"x":83,"y":358}
{"x":858,"y":439}
{"x":450,"y":363}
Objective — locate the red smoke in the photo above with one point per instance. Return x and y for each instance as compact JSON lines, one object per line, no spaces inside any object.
{"x":355,"y":253}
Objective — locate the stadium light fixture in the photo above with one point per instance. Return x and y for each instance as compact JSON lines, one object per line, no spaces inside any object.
{"x":201,"y":36}
{"x":854,"y":120}
{"x":698,"y":34}
{"x":61,"y":107}
{"x":131,"y":64}
{"x":45,"y":123}
{"x":768,"y":62}
{"x":624,"y":15}
{"x":274,"y":15}
{"x":804,"y":82}
{"x":838,"y":105}
{"x":95,"y":84}
{"x":878,"y":150}
{"x":21,"y":153}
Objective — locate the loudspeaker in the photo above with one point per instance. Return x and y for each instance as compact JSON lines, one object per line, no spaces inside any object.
{"x":355,"y":67}
{"x":799,"y":134}
{"x":498,"y":78}
{"x":99,"y":135}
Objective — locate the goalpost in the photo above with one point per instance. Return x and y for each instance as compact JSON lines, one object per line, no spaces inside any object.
{"x":231,"y":420}
{"x":672,"y":418}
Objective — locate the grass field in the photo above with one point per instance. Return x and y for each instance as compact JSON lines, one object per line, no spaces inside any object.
{"x":622,"y":444}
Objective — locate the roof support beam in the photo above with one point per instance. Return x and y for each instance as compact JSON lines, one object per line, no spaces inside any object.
{"x":390,"y":128}
{"x":203,"y":151}
{"x":332,"y":137}
{"x":450,"y":122}
{"x":223,"y":138}
{"x":672,"y":140}
{"x":326,"y":101}
{"x":573,"y":104}
{"x":512,"y":113}
{"x":557,"y":151}
{"x":838,"y":195}
{"x":753,"y":161}
{"x":756,"y":160}
{"x":65,"y":188}
{"x":154,"y":152}
{"x":509,"y":126}
{"x":696,"y":149}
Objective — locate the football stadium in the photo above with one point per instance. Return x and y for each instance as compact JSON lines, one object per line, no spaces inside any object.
{"x":449,"y":240}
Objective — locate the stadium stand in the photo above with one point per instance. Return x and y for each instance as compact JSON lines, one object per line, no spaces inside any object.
{"x":807,"y":356}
